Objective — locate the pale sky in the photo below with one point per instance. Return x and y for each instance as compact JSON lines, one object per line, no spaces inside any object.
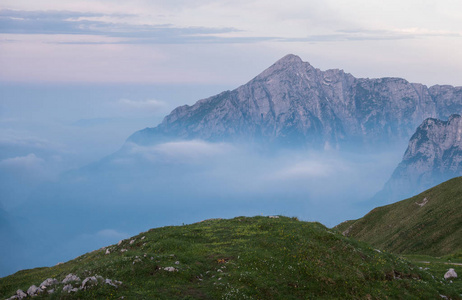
{"x":226,"y":42}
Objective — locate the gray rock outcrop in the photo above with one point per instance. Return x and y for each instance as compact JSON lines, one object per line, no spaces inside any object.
{"x":293,"y":103}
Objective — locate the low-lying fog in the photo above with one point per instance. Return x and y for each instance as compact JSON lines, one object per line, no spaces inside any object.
{"x":63,"y":194}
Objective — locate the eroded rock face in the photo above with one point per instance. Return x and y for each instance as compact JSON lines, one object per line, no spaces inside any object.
{"x":293,"y":103}
{"x":434,"y":155}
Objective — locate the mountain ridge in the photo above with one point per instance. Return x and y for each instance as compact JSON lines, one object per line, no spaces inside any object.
{"x":434,"y":155}
{"x":294,"y":103}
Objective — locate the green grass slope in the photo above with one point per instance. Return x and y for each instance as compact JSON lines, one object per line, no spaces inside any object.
{"x":429,"y":223}
{"x":241,"y":258}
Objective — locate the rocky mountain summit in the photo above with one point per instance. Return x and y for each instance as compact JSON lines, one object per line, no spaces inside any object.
{"x":294,"y":103}
{"x":434,"y":155}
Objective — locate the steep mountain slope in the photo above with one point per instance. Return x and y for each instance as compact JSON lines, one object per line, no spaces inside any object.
{"x":293,"y":103}
{"x":434,"y":155}
{"x":429,"y":223}
{"x":242,"y":258}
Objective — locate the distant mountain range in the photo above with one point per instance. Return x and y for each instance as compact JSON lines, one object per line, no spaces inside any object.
{"x":434,"y":155}
{"x":294,"y":104}
{"x":429,"y":223}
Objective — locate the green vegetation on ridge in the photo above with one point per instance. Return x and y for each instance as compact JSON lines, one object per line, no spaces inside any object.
{"x":241,"y":258}
{"x":429,"y":223}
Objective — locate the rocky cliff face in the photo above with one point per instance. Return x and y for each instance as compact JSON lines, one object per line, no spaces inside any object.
{"x":434,"y":155}
{"x":293,"y":103}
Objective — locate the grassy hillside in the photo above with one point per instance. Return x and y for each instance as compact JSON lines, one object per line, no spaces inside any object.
{"x":429,"y":223}
{"x":241,"y":258}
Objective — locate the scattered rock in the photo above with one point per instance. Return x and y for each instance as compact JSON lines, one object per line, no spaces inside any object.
{"x":71,"y":277}
{"x":120,"y":242}
{"x":48,"y":282}
{"x":131,"y":242}
{"x":273,"y":217}
{"x":68,"y":288}
{"x":60,"y":263}
{"x":34,"y":291}
{"x":451,"y":273}
{"x":114,"y":283}
{"x":424,"y":201}
{"x":108,"y":252}
{"x":123,"y":250}
{"x":170,"y":269}
{"x":177,"y":262}
{"x":89,"y":281}
{"x":51,"y":291}
{"x":21,"y":294}
{"x":143,"y":237}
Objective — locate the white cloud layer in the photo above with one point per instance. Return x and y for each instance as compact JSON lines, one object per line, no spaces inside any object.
{"x":29,"y":162}
{"x":146,"y":105}
{"x":181,"y":152}
{"x":145,"y":41}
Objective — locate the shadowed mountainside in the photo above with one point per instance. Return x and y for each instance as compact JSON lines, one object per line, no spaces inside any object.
{"x":429,"y":223}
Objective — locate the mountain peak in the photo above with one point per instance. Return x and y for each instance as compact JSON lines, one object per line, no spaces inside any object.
{"x":290,"y":58}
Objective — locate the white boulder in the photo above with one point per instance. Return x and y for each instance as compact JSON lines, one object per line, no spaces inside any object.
{"x":451,"y":273}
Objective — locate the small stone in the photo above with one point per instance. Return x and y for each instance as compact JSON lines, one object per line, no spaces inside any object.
{"x":451,"y":273}
{"x":34,"y":291}
{"x":119,"y":243}
{"x":170,"y":269}
{"x":114,"y":283}
{"x":177,"y":263}
{"x":60,"y":263}
{"x":89,"y":281}
{"x":108,"y":252}
{"x":51,"y":291}
{"x":131,"y":242}
{"x":67,"y":288}
{"x":123,"y":250}
{"x":21,"y":294}
{"x":143,"y":237}
{"x":71,"y":277}
{"x":48,"y":282}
